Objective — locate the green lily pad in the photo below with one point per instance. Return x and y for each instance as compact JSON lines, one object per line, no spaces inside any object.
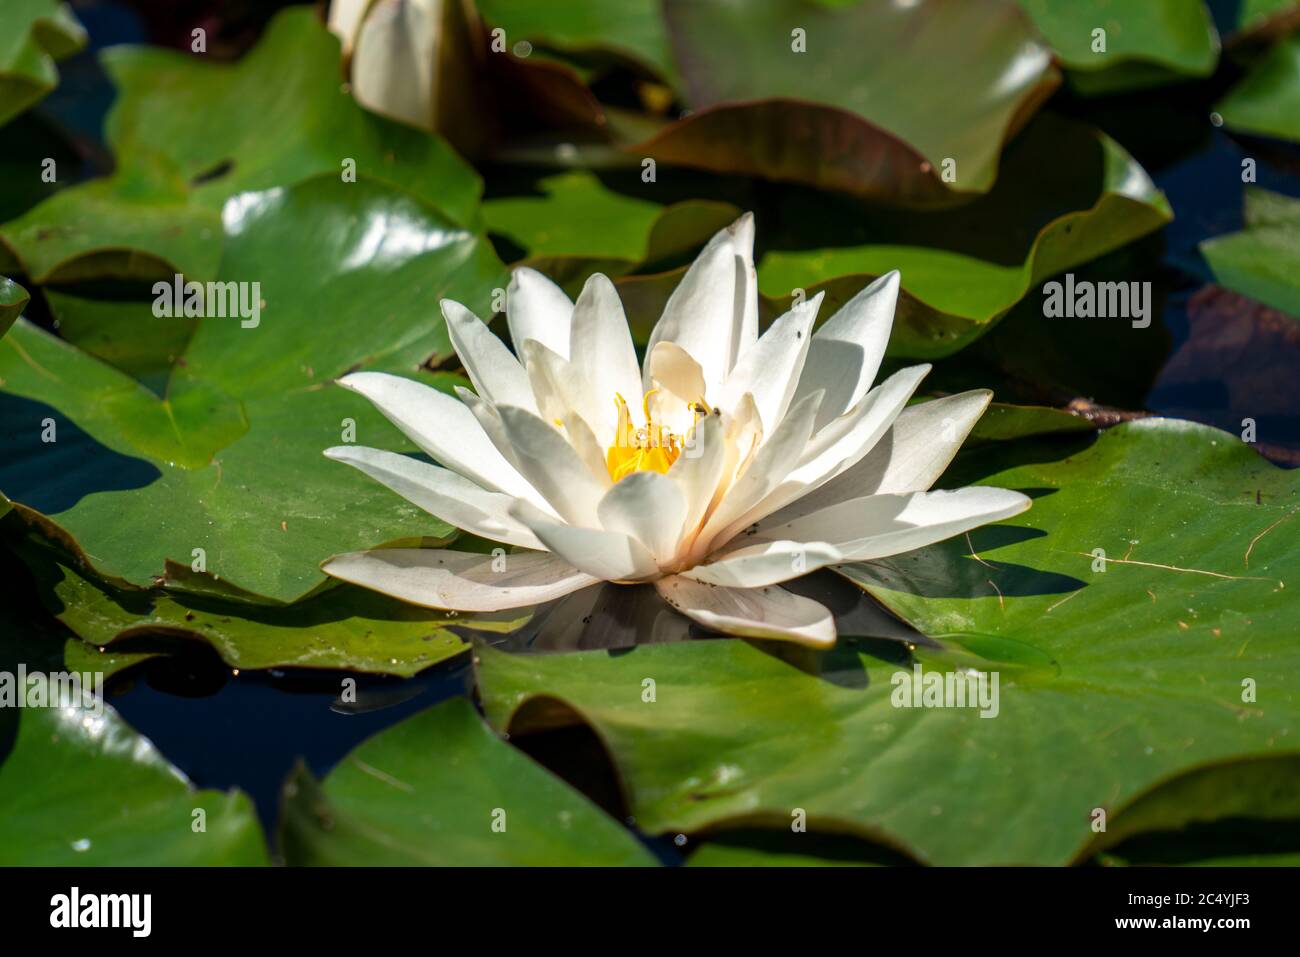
{"x":580,"y":226}
{"x":1257,"y":789}
{"x":340,"y":628}
{"x":80,"y":656}
{"x":33,"y":35}
{"x":428,"y":792}
{"x":188,"y":135}
{"x":1145,"y":44}
{"x":1261,"y":19}
{"x":1267,"y":101}
{"x":1003,"y":422}
{"x":907,"y":104}
{"x":80,"y":787}
{"x":1068,"y":194}
{"x":1263,"y":260}
{"x":1110,"y":683}
{"x":138,"y":480}
{"x":53,"y":812}
{"x":13,"y":300}
{"x":631,"y":29}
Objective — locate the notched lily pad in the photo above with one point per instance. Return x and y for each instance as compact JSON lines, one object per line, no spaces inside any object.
{"x":837,"y":103}
{"x":138,"y":481}
{"x":441,"y":789}
{"x":1110,"y":682}
{"x":34,"y":34}
{"x":188,"y":135}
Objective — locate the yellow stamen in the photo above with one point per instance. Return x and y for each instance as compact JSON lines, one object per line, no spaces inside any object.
{"x":651,"y":449}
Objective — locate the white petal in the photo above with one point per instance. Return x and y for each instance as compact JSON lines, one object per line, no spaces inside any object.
{"x":600,"y":345}
{"x":394,"y":60}
{"x":553,"y":467}
{"x":770,"y":612}
{"x":495,"y":372}
{"x":441,"y":492}
{"x":766,"y":469}
{"x":562,"y":390}
{"x":769,"y":369}
{"x":587,"y":446}
{"x":612,"y":556}
{"x":765,"y":563}
{"x":847,"y":350}
{"x":909,"y":457}
{"x":742,"y":237}
{"x":459,"y":581}
{"x":648,"y":506}
{"x":882,"y":525}
{"x":837,"y":447}
{"x":345,"y":20}
{"x":537,"y":308}
{"x":443,"y":428}
{"x":699,"y":468}
{"x":703,"y":315}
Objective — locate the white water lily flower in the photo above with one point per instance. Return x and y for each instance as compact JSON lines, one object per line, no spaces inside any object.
{"x":722,"y":466}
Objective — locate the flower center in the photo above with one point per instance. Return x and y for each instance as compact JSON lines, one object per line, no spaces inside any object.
{"x":652,"y":448}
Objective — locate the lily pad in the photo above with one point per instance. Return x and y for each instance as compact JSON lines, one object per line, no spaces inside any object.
{"x":631,"y":29}
{"x":188,"y":135}
{"x":66,"y":760}
{"x":579,"y":226}
{"x":907,"y":104}
{"x":958,"y":280}
{"x":340,"y":628}
{"x":1110,"y":683}
{"x":1141,"y":45}
{"x":13,"y":300}
{"x":442,"y":789}
{"x":1263,"y":260}
{"x":33,"y":35}
{"x":229,"y":460}
{"x":1267,"y":101}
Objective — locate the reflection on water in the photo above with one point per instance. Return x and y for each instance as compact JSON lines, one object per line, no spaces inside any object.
{"x":611,"y":617}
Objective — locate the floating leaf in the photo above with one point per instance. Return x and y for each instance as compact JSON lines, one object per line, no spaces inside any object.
{"x":189,"y":135}
{"x":1139,"y":45}
{"x":350,"y":275}
{"x":907,"y":104}
{"x":957,"y":278}
{"x":33,"y":35}
{"x":13,"y":300}
{"x":1110,"y":683}
{"x":80,"y":787}
{"x":632,"y":29}
{"x":441,"y":789}
{"x":1263,"y":260}
{"x":342,"y":627}
{"x":1267,"y":101}
{"x":580,"y":226}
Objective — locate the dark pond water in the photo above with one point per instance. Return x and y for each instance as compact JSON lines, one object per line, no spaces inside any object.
{"x":248,"y":730}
